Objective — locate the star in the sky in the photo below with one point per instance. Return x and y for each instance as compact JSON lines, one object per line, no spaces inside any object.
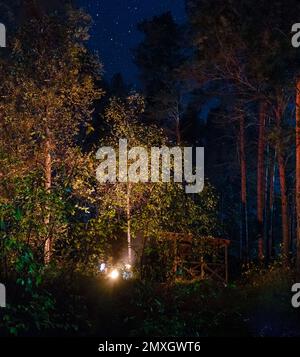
{"x":114,"y":32}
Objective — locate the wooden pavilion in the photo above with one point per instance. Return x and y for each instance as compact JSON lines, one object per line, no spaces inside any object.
{"x":191,"y":260}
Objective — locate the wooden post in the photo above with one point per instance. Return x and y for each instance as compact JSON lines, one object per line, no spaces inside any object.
{"x":175,"y":255}
{"x":226,"y":264}
{"x":202,"y":276}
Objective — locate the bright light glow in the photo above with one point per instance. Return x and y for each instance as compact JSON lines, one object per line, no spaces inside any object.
{"x":114,"y":274}
{"x":102,"y":267}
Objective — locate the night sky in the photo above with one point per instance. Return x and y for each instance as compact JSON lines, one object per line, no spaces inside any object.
{"x":114,"y":33}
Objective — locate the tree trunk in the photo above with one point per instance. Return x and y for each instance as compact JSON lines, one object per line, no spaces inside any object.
{"x":176,"y":120}
{"x":129,"y":241}
{"x":298,"y":173}
{"x":260,"y":180}
{"x":284,"y":207}
{"x":266,"y":210}
{"x":177,"y":130}
{"x":244,"y":213}
{"x":271,"y":207}
{"x":283,"y":191}
{"x":48,"y":183}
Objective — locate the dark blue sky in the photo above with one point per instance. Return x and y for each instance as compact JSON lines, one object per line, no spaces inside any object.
{"x":114,"y":32}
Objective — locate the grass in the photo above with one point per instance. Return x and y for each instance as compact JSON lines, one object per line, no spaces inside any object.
{"x":259,"y":304}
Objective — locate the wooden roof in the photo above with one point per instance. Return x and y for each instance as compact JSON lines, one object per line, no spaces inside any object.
{"x":187,"y":237}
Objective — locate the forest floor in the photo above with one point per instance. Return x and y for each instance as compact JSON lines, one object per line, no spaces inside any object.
{"x":257,"y":305}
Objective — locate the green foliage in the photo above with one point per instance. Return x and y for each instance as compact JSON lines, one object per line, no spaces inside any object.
{"x":46,"y":183}
{"x":185,"y":310}
{"x":48,"y":188}
{"x":170,"y":209}
{"x":30,"y":307}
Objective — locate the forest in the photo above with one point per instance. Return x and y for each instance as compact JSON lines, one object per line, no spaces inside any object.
{"x":80,"y":257}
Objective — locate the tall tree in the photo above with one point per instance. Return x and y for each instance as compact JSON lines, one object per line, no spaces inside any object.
{"x":261,"y":179}
{"x":124,"y":119}
{"x":49,"y":93}
{"x":243,"y":168}
{"x":279,"y":116}
{"x":221,"y":58}
{"x":159,"y":58}
{"x":247,"y":45}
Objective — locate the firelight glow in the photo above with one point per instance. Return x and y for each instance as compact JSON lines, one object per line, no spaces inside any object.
{"x":114,"y":274}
